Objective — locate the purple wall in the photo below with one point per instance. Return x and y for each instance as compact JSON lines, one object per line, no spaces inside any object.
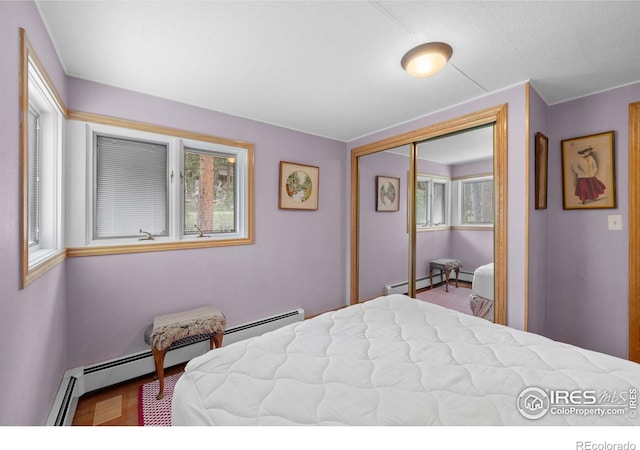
{"x":298,"y":259}
{"x":538,"y":218}
{"x":32,"y":320}
{"x":517,"y":213}
{"x":384,"y":242}
{"x":588,"y":265}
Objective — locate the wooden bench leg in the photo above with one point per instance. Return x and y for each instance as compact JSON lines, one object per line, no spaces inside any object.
{"x":215,"y":341}
{"x":158,"y":358}
{"x":446,"y":281}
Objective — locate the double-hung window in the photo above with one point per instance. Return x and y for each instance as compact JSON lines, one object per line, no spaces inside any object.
{"x":42,"y":181}
{"x":152,"y":191}
{"x":432,"y":202}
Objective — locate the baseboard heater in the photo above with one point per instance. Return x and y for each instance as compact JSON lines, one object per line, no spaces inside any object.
{"x":423,"y":283}
{"x":81,"y":380}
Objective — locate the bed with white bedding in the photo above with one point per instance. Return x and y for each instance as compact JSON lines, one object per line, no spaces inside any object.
{"x":482,"y":288}
{"x":395,"y":360}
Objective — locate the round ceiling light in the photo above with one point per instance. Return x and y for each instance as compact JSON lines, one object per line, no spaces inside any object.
{"x":426,"y":59}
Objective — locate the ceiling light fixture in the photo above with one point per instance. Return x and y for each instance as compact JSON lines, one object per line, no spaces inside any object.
{"x":426,"y":59}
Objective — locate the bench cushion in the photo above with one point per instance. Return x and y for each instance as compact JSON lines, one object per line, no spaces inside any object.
{"x":169,"y":328}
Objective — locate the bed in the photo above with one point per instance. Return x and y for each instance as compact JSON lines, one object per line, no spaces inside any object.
{"x":395,"y":360}
{"x":481,"y":298}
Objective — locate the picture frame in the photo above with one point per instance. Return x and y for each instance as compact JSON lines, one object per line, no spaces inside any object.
{"x":387,"y":193}
{"x":299,"y":186}
{"x":541,"y":170}
{"x":588,"y":172}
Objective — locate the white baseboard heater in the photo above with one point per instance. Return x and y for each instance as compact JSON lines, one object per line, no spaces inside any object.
{"x":81,"y":380}
{"x":423,"y":283}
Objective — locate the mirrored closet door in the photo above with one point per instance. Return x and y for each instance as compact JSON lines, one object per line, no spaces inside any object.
{"x":429,"y":195}
{"x":454,"y":206}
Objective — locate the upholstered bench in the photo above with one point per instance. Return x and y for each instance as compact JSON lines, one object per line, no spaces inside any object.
{"x":447,"y":266}
{"x":173,"y":330}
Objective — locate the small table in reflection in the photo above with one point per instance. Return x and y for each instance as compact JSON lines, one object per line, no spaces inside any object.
{"x":446,"y":266}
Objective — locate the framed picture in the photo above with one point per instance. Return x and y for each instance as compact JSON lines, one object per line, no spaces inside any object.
{"x":387,"y":193}
{"x":299,"y":186}
{"x":542,"y":164}
{"x":588,"y":172}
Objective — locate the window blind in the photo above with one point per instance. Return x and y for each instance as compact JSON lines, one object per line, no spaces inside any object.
{"x":131,"y":188}
{"x":34,"y":176}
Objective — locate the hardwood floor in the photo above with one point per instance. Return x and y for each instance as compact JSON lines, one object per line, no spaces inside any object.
{"x":116,"y":405}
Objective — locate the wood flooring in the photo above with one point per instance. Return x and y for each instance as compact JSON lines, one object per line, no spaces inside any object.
{"x":115,"y":405}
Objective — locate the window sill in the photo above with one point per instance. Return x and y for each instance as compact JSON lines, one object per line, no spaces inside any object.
{"x":474,"y":227}
{"x":438,"y":228}
{"x":41,"y":262}
{"x":101,"y":250}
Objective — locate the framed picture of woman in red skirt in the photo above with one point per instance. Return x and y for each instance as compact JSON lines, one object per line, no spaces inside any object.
{"x":588,"y":172}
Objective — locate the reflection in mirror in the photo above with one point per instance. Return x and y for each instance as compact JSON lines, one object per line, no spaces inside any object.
{"x":454,"y":220}
{"x":495,"y":117}
{"x":383,"y":240}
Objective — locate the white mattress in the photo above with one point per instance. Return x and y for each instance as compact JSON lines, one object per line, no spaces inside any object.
{"x":392,"y":361}
{"x":482,"y":283}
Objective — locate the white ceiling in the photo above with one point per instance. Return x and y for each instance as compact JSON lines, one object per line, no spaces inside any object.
{"x":332,"y":68}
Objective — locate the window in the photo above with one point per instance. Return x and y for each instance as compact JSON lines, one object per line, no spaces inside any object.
{"x":432,"y":199}
{"x":41,"y":154}
{"x":34,"y":145}
{"x":130,"y":188}
{"x":476,"y":201}
{"x":209,"y":192}
{"x":151,"y":188}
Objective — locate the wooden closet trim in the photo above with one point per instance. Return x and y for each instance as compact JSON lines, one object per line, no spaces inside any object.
{"x":634,"y":232}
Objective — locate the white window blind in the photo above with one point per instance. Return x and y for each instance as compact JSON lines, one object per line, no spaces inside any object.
{"x":131,"y":188}
{"x":34,"y":177}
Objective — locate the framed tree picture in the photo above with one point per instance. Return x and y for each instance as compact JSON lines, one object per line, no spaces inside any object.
{"x":387,"y":193}
{"x":541,"y":175}
{"x":299,"y":186}
{"x":588,"y":172}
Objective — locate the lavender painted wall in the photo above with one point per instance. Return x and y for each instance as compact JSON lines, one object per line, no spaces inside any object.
{"x":538,"y":221}
{"x":32,"y":320}
{"x":298,"y":259}
{"x":587,"y":265}
{"x":384,"y":242}
{"x":514,"y":97}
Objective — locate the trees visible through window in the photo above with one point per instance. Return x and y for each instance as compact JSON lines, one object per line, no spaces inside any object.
{"x":209,"y":192}
{"x":477,"y":201}
{"x":160,"y":191}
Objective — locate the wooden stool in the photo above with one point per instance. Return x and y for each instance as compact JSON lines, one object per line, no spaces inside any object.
{"x":445,"y":265}
{"x":171,"y":328}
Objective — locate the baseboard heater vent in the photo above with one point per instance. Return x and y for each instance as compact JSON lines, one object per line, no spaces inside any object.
{"x":64,"y":405}
{"x":423,"y":283}
{"x":82,"y":380}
